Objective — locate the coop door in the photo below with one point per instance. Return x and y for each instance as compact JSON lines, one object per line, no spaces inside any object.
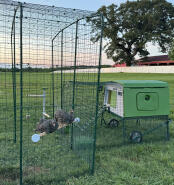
{"x":147,"y":101}
{"x":114,"y":100}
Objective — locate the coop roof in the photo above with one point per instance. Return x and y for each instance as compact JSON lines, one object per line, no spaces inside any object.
{"x":141,"y":83}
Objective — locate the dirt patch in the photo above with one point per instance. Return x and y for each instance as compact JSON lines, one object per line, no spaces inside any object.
{"x":13,"y":173}
{"x":34,"y":170}
{"x":9,"y":174}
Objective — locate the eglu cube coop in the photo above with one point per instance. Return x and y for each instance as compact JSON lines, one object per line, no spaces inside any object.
{"x":141,"y":106}
{"x":44,"y":48}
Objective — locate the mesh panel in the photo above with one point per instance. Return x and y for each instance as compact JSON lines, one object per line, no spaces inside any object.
{"x":34,"y":81}
{"x":76,"y":58}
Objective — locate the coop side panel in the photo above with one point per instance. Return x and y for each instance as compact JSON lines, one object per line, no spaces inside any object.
{"x":134,"y":101}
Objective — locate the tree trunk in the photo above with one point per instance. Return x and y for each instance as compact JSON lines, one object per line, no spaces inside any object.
{"x":129,"y":61}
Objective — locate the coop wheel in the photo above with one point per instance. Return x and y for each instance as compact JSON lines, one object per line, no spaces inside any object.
{"x":136,"y":137}
{"x":113,"y":123}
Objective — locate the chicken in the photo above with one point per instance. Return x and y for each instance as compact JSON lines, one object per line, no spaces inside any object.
{"x":61,"y":119}
{"x":46,"y":126}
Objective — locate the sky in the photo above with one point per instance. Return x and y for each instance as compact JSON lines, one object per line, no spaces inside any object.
{"x":91,"y":5}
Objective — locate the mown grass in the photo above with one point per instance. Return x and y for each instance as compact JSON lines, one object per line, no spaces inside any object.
{"x":148,"y":163}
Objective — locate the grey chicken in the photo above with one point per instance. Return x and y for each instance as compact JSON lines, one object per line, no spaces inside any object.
{"x":61,"y":119}
{"x":46,"y":125}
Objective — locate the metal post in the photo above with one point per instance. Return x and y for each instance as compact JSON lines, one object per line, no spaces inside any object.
{"x":13,"y":52}
{"x":44,"y":102}
{"x":74,"y":80}
{"x":75,"y":63}
{"x":14,"y":83}
{"x":97,"y":96}
{"x":61,"y":70}
{"x":53,"y":73}
{"x":21,"y":96}
{"x":124,"y":130}
{"x":167,"y":131}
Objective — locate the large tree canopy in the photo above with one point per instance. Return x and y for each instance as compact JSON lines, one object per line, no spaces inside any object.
{"x":171,"y":51}
{"x":129,"y":27}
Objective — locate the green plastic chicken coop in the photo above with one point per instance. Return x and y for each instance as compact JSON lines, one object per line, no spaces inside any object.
{"x":142,"y":106}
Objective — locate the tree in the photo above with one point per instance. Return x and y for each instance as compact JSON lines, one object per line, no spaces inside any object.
{"x":128,"y":28}
{"x":171,"y":52}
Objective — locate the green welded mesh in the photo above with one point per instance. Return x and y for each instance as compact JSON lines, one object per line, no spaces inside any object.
{"x":152,"y":128}
{"x":56,"y":156}
{"x":9,"y":152}
{"x":78,"y":61}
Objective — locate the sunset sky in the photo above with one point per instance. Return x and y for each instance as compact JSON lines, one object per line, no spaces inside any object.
{"x":37,"y":48}
{"x":91,"y":5}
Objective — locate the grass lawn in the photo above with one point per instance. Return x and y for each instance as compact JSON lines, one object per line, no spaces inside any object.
{"x":145,"y":164}
{"x":149,"y":163}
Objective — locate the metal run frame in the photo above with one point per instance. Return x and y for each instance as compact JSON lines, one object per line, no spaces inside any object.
{"x":19,"y":9}
{"x":74,"y":68}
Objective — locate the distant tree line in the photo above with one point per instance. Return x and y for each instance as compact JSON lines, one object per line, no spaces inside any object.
{"x":30,"y":69}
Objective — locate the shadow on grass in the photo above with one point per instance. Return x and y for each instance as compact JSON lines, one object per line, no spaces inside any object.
{"x":35,"y":175}
{"x":9,"y":174}
{"x":43,"y":179}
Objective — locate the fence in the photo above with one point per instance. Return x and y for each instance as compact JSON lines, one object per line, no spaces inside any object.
{"x":145,"y":69}
{"x":40,"y":40}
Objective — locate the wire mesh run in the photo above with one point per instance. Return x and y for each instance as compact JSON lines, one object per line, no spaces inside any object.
{"x":117,"y":130}
{"x":76,"y":61}
{"x":45,"y":51}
